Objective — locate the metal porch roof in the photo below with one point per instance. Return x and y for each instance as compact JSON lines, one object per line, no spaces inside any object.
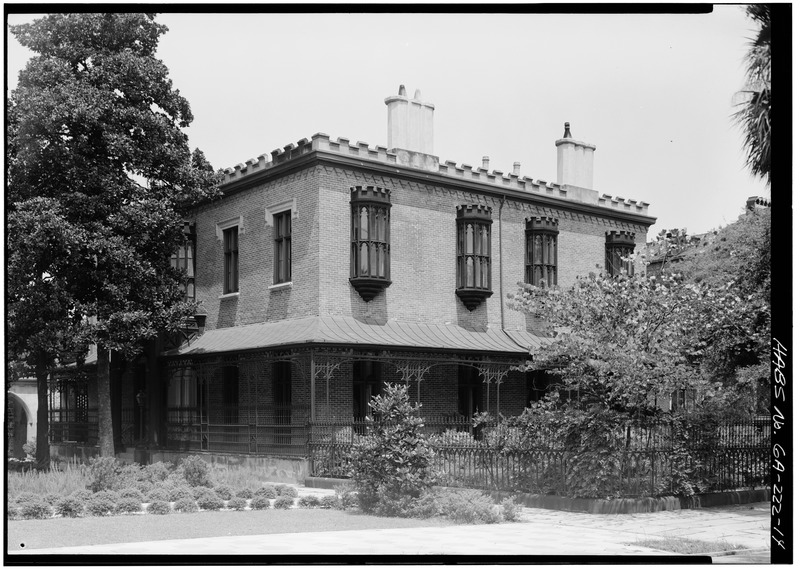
{"x":350,"y":331}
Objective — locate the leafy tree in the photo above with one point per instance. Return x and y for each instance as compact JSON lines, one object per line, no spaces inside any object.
{"x":97,"y":155}
{"x":754,"y":115}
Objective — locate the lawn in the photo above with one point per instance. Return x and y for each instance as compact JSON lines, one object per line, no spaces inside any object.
{"x":56,"y":532}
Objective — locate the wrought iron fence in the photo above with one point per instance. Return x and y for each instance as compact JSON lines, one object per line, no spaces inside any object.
{"x":73,"y":426}
{"x":644,"y":461}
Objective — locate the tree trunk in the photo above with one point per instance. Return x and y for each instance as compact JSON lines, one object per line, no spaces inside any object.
{"x":42,"y":415}
{"x":105,"y":427}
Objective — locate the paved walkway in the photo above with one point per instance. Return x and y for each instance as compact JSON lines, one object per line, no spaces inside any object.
{"x":543,"y":532}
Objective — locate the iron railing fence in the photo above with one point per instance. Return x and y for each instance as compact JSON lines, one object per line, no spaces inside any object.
{"x":73,"y":426}
{"x":644,"y":461}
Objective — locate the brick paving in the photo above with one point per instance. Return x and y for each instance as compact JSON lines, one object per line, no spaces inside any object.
{"x":542,"y":532}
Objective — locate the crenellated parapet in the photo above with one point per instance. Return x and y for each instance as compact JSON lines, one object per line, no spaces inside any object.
{"x":474,"y":211}
{"x":361,"y":150}
{"x":620,"y":237}
{"x":546,"y":224}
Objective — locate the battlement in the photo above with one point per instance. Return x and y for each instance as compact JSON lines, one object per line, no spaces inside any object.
{"x":620,"y":237}
{"x":542,"y":223}
{"x":449,"y":168}
{"x":370,"y":194}
{"x":481,"y":211}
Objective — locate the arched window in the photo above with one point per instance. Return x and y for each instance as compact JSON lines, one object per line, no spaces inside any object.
{"x":473,"y":254}
{"x":369,"y":249}
{"x":541,"y":251}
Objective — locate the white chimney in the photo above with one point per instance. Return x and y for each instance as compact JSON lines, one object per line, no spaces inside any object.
{"x":410,"y":123}
{"x":575,"y":161}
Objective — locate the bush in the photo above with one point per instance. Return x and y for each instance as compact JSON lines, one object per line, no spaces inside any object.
{"x":158,"y":472}
{"x":29,"y":447}
{"x":237,"y":504}
{"x":511,"y":510}
{"x":132,"y":493}
{"x":83,"y":495}
{"x":129,"y":505}
{"x":69,"y":507}
{"x":51,"y":498}
{"x":195,"y":471}
{"x":245,"y":493}
{"x":329,"y":502}
{"x":346,"y":496}
{"x":129,"y":475}
{"x":394,"y":461}
{"x":308,"y":502}
{"x":100,"y":506}
{"x":24,"y":498}
{"x":12,"y":512}
{"x":144,"y":486}
{"x":178,"y":493}
{"x":157,"y":494}
{"x":259,"y":503}
{"x":112,"y":496}
{"x":186,"y":505}
{"x":468,"y":506}
{"x":198,"y":492}
{"x":104,"y":473}
{"x":37,"y":509}
{"x":209,"y":501}
{"x":286,"y":491}
{"x":284,"y":502}
{"x":158,"y":508}
{"x":224,"y":492}
{"x":267,"y":491}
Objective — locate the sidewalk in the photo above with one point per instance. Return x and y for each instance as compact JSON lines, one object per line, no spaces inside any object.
{"x":543,"y":532}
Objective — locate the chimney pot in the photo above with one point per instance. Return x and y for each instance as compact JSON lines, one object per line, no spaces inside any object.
{"x":402,"y":91}
{"x":567,"y":134}
{"x":486,"y":163}
{"x":410,"y":123}
{"x":516,"y":169}
{"x":418,"y":94}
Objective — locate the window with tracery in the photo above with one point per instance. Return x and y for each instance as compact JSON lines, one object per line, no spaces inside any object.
{"x":541,"y":251}
{"x":183,"y":260}
{"x":370,"y":266}
{"x":473,"y":254}
{"x":619,"y":245}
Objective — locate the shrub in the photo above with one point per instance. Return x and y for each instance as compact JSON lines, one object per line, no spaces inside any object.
{"x":308,"y":502}
{"x":158,"y":494}
{"x":237,"y":504}
{"x":468,"y":506}
{"x":329,"y":502}
{"x":286,"y":491}
{"x":209,"y":501}
{"x":259,"y":503}
{"x":129,"y":505}
{"x":29,"y":447}
{"x":198,"y":492}
{"x":144,"y":486}
{"x":284,"y":502}
{"x":182,"y":492}
{"x":224,"y":492}
{"x":394,"y":462}
{"x":12,"y":512}
{"x":267,"y":491}
{"x":158,"y":508}
{"x":132,"y":493}
{"x":104,"y":472}
{"x":245,"y":493}
{"x":51,"y":498}
{"x":195,"y":471}
{"x":129,"y":475}
{"x":159,"y":471}
{"x":24,"y":498}
{"x":186,"y":505}
{"x":346,"y":496}
{"x":112,"y":496}
{"x":511,"y":510}
{"x":100,"y":506}
{"x":37,"y":509}
{"x":83,"y":495}
{"x":69,"y":506}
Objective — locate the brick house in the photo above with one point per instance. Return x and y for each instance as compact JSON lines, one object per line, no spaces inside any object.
{"x":331,"y":267}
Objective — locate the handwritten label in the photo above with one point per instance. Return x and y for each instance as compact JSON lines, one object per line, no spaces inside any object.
{"x":779,"y":460}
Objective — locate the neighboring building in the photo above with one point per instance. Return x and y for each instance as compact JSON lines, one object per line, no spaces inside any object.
{"x":331,"y":267}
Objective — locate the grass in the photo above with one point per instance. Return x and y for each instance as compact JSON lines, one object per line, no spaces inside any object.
{"x":683,"y":545}
{"x":62,"y":480}
{"x":57,"y":532}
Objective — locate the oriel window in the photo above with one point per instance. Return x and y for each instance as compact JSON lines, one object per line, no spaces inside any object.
{"x":473,"y":254}
{"x":541,"y":251}
{"x":230,"y":238}
{"x":183,"y":260}
{"x":370,"y":267}
{"x":283,"y":247}
{"x":619,"y":246}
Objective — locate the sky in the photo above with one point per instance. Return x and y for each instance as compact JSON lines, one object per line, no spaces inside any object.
{"x":654,"y":93}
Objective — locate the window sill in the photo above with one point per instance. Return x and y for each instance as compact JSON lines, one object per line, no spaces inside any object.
{"x":279,"y":286}
{"x":229,"y":295}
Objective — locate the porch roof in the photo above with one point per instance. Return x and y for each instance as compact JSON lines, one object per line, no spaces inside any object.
{"x":368,"y":333}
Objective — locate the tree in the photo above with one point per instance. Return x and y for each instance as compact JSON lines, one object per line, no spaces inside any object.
{"x":96,"y":150}
{"x":755,"y":99}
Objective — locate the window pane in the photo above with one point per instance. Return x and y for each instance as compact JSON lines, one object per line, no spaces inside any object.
{"x":470,"y":243}
{"x":364,"y":258}
{"x":381,"y":261}
{"x":484,"y":273}
{"x":537,"y":275}
{"x":529,"y":249}
{"x":459,"y":272}
{"x":373,"y":261}
{"x":190,"y":290}
{"x":190,"y":259}
{"x":173,"y":261}
{"x":470,"y":272}
{"x":373,"y":230}
{"x":364,"y":224}
{"x":537,"y":249}
{"x":485,"y":240}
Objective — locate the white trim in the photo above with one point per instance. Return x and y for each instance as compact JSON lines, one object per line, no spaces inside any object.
{"x":229,"y":223}
{"x":229,"y":295}
{"x":279,"y":286}
{"x":278,"y":207}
